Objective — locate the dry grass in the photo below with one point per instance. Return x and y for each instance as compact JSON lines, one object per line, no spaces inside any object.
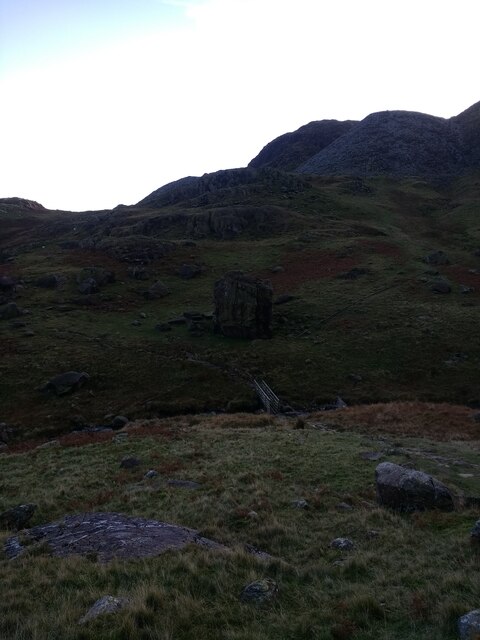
{"x":443,"y":422}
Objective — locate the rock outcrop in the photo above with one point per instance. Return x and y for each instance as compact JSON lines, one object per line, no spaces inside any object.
{"x":405,"y":489}
{"x":243,"y":306}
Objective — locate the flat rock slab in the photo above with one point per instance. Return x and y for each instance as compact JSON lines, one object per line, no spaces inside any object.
{"x":108,"y":535}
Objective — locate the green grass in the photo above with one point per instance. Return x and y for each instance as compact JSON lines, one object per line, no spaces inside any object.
{"x":412,"y":580}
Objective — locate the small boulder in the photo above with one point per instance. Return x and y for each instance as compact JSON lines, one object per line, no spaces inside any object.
{"x":163,"y":327}
{"x":129,"y":462}
{"x":259,"y":591}
{"x":189,"y":271}
{"x":138,"y":273}
{"x":66,"y":383}
{"x":88,"y":286}
{"x":405,"y":489}
{"x":151,"y":473}
{"x":17,"y":517}
{"x":436,"y":258}
{"x":342,"y":544}
{"x":48,"y":281}
{"x":106,"y":604}
{"x":301,"y":503}
{"x":440,"y":286}
{"x":7,"y":284}
{"x":119,"y":422}
{"x":9,"y":311}
{"x":156,"y":291}
{"x":475,"y":534}
{"x":469,"y":625}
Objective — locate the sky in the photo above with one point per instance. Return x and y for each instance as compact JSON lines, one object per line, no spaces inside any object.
{"x":104,"y":101}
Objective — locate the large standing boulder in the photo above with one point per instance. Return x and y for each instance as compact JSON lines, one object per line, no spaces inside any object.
{"x":243,"y":306}
{"x":405,"y":489}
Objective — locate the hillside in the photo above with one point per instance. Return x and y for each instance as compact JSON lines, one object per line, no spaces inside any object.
{"x":136,"y":461}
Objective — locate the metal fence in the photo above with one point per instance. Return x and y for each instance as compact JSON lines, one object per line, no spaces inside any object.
{"x":270,"y":401}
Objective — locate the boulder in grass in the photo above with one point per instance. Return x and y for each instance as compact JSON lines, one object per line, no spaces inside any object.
{"x":408,"y":490}
{"x":17,"y":517}
{"x":65,"y":383}
{"x":9,"y":311}
{"x":469,"y":625}
{"x":475,"y":534}
{"x":106,"y":604}
{"x":157,"y":290}
{"x":259,"y":591}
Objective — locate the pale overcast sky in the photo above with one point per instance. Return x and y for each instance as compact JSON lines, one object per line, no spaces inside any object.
{"x":103,"y":101}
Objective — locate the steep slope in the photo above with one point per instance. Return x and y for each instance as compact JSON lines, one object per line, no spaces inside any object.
{"x":292,"y":149}
{"x":469,"y":124}
{"x":395,"y":143}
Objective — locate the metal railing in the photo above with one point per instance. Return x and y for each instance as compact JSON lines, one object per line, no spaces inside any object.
{"x":270,"y":401}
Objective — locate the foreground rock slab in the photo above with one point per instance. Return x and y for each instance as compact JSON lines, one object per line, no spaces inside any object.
{"x":111,"y":535}
{"x":405,"y":489}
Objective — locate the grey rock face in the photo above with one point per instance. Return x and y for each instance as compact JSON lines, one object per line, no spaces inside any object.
{"x":66,"y":383}
{"x":243,"y":307}
{"x":469,"y":625}
{"x":106,"y":604}
{"x":409,"y":490}
{"x":400,"y":143}
{"x":17,"y":517}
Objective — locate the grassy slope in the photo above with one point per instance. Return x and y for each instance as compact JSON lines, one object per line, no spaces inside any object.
{"x":411,"y":579}
{"x":402,"y":340}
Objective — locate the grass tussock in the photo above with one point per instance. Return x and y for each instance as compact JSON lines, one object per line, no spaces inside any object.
{"x":441,"y":421}
{"x":408,"y":577}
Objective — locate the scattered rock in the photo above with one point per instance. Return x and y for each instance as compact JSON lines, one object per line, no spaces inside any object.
{"x":469,"y":625}
{"x":178,"y":321}
{"x":355,"y":377}
{"x":301,"y":503}
{"x":9,"y":311}
{"x":7,"y":284}
{"x":189,"y":271}
{"x":333,"y":406}
{"x":99,"y":275}
{"x":48,"y":281}
{"x":440,"y":286}
{"x":138,"y":273}
{"x":353,"y":274}
{"x":343,"y":544}
{"x":106,"y":604}
{"x":157,"y":291}
{"x":88,"y":286}
{"x":129,"y":462}
{"x":259,"y":591}
{"x":119,"y":422}
{"x":436,"y":258}
{"x":344,"y":506}
{"x":475,"y":534}
{"x":17,"y":517}
{"x":163,"y":327}
{"x":66,"y":383}
{"x":136,"y":323}
{"x":277,"y":269}
{"x":151,"y":473}
{"x":371,"y":455}
{"x":243,"y":307}
{"x":409,"y":490}
{"x":465,"y":289}
{"x":476,"y":417}
{"x":118,"y":438}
